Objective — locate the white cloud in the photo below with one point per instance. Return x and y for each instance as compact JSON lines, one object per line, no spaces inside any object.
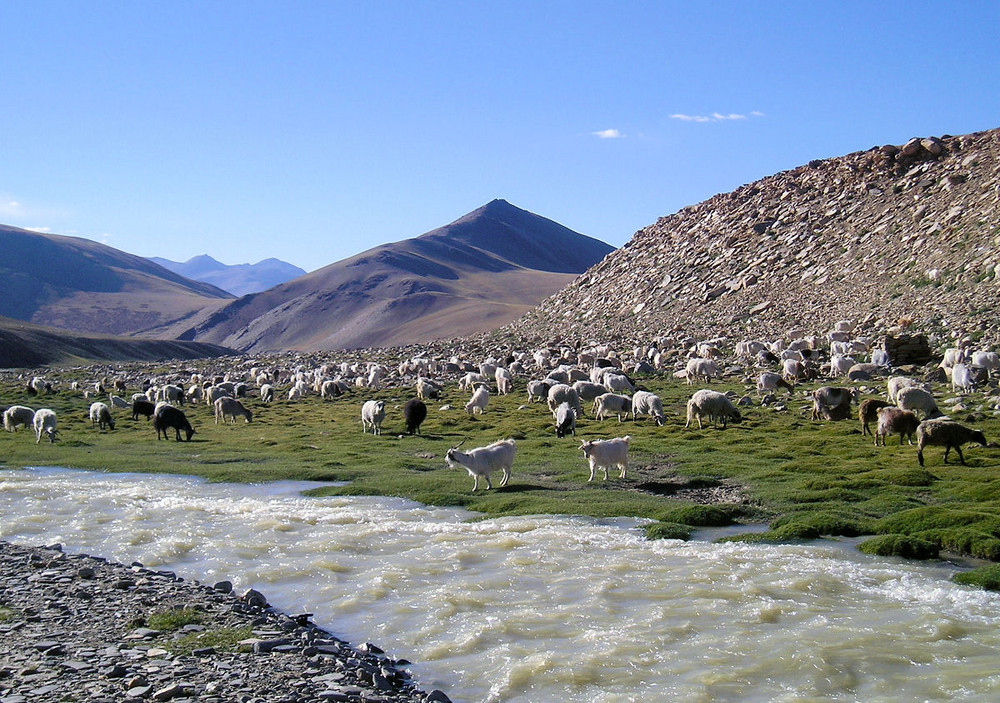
{"x":10,"y":207}
{"x":608,"y":134}
{"x":714,"y":117}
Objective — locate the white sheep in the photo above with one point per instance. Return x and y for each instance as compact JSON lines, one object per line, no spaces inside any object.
{"x":45,"y":423}
{"x":609,"y":403}
{"x":793,"y":370}
{"x":118,"y":402}
{"x":986,"y":360}
{"x":479,"y":400}
{"x":267,"y":393}
{"x":831,"y":403}
{"x":469,"y":380}
{"x":294,"y":394}
{"x":171,"y":393}
{"x":100,"y":415}
{"x":561,"y":393}
{"x":195,"y":393}
{"x":538,"y":389}
{"x":618,"y":383}
{"x":373,"y":414}
{"x":918,"y":399}
{"x":588,"y":390}
{"x":701,"y":368}
{"x":962,"y":380}
{"x":897,"y":383}
{"x":606,"y":453}
{"x":17,"y":415}
{"x":483,"y":461}
{"x":770,"y":382}
{"x":713,"y":405}
{"x":646,"y":403}
{"x":230,"y":407}
{"x":840,"y":365}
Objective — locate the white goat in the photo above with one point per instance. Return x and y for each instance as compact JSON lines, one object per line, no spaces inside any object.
{"x":561,"y":393}
{"x":100,"y":415}
{"x":373,"y":414}
{"x":609,"y":403}
{"x":45,"y":423}
{"x":505,"y":382}
{"x":701,"y":368}
{"x":17,"y":415}
{"x":918,"y":399}
{"x":484,"y":461}
{"x":605,"y":453}
{"x":479,"y":400}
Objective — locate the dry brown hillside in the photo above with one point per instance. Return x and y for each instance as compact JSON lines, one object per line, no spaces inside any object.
{"x":893,"y":232}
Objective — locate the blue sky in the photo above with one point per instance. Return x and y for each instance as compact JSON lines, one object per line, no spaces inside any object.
{"x":311,"y":131}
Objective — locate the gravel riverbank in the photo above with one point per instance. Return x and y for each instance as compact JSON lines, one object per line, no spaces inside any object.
{"x":81,"y":628}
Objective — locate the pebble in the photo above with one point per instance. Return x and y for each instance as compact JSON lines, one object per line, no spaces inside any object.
{"x":57,"y":646}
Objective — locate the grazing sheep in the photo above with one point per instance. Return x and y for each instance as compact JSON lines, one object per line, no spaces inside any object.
{"x":166,"y":417}
{"x":44,"y":422}
{"x":561,"y":393}
{"x":560,"y":375}
{"x":918,"y":399}
{"x":100,"y":415}
{"x":171,"y":393}
{"x":565,"y":418}
{"x":646,"y":403}
{"x":414,"y":413}
{"x":483,"y":461}
{"x":897,"y":383}
{"x":469,"y":380}
{"x":769,"y":382}
{"x":605,"y":453}
{"x":39,"y":385}
{"x":195,"y":393}
{"x":329,"y":389}
{"x":588,"y":391}
{"x":294,"y":394}
{"x":986,"y":360}
{"x":701,"y":368}
{"x":427,"y":389}
{"x":840,"y":365}
{"x":17,"y":415}
{"x":373,"y":414}
{"x":713,"y":405}
{"x":895,"y":421}
{"x":230,"y":407}
{"x":793,"y":370}
{"x":947,"y":434}
{"x":962,"y":380}
{"x":141,"y":406}
{"x":831,"y":403}
{"x":619,"y":383}
{"x":479,"y":400}
{"x":213,"y":393}
{"x":267,"y":393}
{"x":868,"y":413}
{"x":609,"y":403}
{"x":538,"y":389}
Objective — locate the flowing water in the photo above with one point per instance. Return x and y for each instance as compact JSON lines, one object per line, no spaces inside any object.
{"x":546,"y":608}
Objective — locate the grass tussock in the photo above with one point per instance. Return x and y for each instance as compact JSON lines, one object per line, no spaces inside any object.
{"x":805,"y":478}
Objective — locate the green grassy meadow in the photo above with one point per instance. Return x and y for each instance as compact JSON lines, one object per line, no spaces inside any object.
{"x":804,"y":478}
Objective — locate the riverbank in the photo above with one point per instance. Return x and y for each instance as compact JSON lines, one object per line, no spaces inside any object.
{"x":78,"y":627}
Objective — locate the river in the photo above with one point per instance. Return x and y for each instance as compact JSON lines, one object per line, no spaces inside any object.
{"x":542,"y":608}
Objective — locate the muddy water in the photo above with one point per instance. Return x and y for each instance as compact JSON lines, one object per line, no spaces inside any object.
{"x":542,"y":609}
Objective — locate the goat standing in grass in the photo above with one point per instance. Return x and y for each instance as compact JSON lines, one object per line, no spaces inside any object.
{"x":483,"y":461}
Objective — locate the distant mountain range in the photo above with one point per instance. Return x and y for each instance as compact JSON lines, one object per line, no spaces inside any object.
{"x":477,"y":273}
{"x":81,"y":285}
{"x":238,"y":279}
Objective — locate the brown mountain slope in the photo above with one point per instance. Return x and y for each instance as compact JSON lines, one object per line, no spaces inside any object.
{"x":477,"y":273}
{"x":82,"y":285}
{"x":874,"y":236}
{"x":24,"y":345}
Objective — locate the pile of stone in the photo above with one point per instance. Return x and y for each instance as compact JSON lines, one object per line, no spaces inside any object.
{"x":891,"y":233}
{"x":74,"y":627}
{"x":907,"y":349}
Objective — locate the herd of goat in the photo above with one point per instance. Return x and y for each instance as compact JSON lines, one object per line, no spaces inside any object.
{"x":565,"y":379}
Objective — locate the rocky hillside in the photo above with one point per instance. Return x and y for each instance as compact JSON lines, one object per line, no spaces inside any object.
{"x":894,"y":234}
{"x":475,"y":274}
